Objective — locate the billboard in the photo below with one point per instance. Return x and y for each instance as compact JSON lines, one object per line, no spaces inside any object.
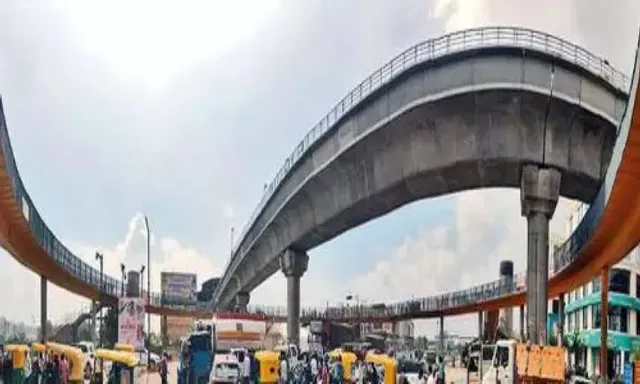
{"x":131,"y":321}
{"x":177,"y":327}
{"x":178,"y":288}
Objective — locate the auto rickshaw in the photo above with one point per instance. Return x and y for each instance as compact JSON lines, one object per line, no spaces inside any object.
{"x":74,"y":357}
{"x":123,"y":365}
{"x":18,"y":354}
{"x":268,"y":363}
{"x":38,"y":352}
{"x":346,"y":358}
{"x":387,"y":365}
{"x":124,"y":347}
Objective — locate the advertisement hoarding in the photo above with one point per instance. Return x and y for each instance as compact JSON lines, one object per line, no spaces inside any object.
{"x":131,"y":321}
{"x":178,"y":288}
{"x":177,"y":327}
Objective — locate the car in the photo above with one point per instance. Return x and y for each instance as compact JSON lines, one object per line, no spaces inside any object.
{"x":88,"y":349}
{"x":226,"y":370}
{"x":154,"y":359}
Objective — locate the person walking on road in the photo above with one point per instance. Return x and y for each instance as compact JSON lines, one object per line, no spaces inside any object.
{"x":164,"y":368}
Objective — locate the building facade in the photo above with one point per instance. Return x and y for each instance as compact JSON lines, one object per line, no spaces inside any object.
{"x":582,"y":312}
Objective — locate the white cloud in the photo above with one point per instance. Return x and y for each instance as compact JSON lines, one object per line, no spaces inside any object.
{"x":306,"y":58}
{"x":167,"y":254}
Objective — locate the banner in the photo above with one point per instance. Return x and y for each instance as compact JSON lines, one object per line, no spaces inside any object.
{"x":178,"y":288}
{"x":177,"y":327}
{"x":131,"y":321}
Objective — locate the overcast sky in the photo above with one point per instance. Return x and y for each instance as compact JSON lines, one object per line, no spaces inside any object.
{"x":183,"y":110}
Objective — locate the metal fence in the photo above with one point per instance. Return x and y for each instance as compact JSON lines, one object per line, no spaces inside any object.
{"x":429,"y":50}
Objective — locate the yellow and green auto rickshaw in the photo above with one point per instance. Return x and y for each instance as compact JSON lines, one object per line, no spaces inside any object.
{"x":74,"y":357}
{"x":124,"y":365}
{"x":268,"y":364}
{"x":387,"y":366}
{"x":38,"y":352}
{"x":347,"y":359}
{"x":19,"y":354}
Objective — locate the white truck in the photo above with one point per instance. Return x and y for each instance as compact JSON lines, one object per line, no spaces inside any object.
{"x":514,"y":363}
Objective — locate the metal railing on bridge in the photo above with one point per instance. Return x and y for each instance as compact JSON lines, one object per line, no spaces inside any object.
{"x":425,"y":51}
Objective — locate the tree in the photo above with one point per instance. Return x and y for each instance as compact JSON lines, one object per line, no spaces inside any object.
{"x":18,"y":338}
{"x":85,"y":331}
{"x":109,"y":329}
{"x":50,"y":330}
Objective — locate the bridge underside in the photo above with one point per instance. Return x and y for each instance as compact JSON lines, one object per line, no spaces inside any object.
{"x":469,"y":141}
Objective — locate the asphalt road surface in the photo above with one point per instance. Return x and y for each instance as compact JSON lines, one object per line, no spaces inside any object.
{"x":154,"y":377}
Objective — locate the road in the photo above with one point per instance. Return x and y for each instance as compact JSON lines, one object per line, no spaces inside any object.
{"x":154,"y":377}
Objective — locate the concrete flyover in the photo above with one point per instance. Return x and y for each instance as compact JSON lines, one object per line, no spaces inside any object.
{"x":464,"y":111}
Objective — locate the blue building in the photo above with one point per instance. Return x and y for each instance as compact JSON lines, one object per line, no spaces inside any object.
{"x":582,"y":309}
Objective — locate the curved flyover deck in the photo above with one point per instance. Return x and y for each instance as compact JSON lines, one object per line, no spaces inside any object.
{"x":463,"y":111}
{"x":25,"y":235}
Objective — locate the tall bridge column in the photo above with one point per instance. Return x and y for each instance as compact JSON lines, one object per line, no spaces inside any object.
{"x":506,"y":278}
{"x":522,"y":332}
{"x":294,"y":265}
{"x":43,"y":309}
{"x":604,"y":321}
{"x":561,"y":318}
{"x":441,"y":342}
{"x":164,"y":333}
{"x":480,"y":323}
{"x":242,"y":300}
{"x":539,"y":192}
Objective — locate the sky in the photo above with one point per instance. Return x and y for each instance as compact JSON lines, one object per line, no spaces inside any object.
{"x":182,"y":111}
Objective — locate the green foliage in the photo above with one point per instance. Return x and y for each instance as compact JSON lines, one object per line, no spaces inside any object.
{"x":635,"y":353}
{"x":18,"y":338}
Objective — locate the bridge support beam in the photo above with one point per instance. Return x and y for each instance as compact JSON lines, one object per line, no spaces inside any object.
{"x":94,"y":328}
{"x":604,"y":326}
{"x":294,"y":265}
{"x":43,"y":309}
{"x":242,"y":300}
{"x":522,"y":331}
{"x":480,"y":324}
{"x":561,"y":319}
{"x":441,"y":342}
{"x":539,"y":192}
{"x":506,"y":278}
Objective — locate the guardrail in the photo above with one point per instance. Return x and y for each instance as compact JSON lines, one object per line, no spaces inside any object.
{"x":422,"y":52}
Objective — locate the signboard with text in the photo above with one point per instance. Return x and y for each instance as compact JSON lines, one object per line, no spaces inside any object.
{"x":178,"y":288}
{"x":131,"y":321}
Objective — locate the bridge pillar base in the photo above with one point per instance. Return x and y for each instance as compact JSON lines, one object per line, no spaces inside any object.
{"x":293,"y":264}
{"x":539,"y":193}
{"x":242,"y":300}
{"x":43,"y":309}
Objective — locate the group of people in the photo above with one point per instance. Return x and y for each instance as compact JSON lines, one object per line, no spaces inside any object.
{"x":435,"y":374}
{"x":331,"y":370}
{"x":39,"y":368}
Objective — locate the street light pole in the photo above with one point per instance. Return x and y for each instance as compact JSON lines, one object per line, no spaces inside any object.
{"x":142,"y":281}
{"x":124,"y":278}
{"x":101,"y":261}
{"x":231,"y":241}
{"x":146,"y":224}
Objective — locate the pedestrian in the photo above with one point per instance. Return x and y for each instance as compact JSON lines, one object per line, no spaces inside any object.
{"x":164,"y":369}
{"x":63,"y":369}
{"x":441,"y":376}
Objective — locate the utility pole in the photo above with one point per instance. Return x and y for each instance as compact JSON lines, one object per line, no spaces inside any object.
{"x":100,"y":259}
{"x":146,"y":224}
